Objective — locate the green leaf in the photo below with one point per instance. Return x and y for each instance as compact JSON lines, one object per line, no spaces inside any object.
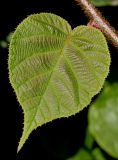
{"x":105,"y":2}
{"x":103,"y":120}
{"x":97,"y":154}
{"x":82,"y":154}
{"x":3,"y":44}
{"x":54,"y":70}
{"x":9,"y":36}
{"x":89,"y":140}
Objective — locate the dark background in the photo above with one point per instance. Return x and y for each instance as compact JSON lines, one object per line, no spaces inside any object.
{"x":61,"y":138}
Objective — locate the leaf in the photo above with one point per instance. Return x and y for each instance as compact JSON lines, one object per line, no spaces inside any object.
{"x":54,"y":70}
{"x":9,"y":36}
{"x":97,"y":154}
{"x":3,"y":44}
{"x":103,"y":120}
{"x":82,"y":154}
{"x":105,"y":2}
{"x":89,"y":140}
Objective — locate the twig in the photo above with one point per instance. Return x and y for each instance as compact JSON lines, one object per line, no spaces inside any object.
{"x":96,"y":17}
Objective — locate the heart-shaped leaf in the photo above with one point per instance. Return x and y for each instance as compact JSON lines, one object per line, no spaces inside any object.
{"x":103,"y":120}
{"x":54,"y":70}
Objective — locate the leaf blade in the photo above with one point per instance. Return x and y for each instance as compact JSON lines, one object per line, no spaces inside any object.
{"x":104,"y":111}
{"x":50,"y":68}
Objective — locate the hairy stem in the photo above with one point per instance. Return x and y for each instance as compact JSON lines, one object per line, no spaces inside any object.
{"x":97,"y":18}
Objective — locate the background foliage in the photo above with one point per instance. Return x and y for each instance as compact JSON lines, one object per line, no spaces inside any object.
{"x":100,"y":3}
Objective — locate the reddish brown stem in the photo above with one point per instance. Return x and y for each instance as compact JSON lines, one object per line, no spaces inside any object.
{"x":97,"y":18}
